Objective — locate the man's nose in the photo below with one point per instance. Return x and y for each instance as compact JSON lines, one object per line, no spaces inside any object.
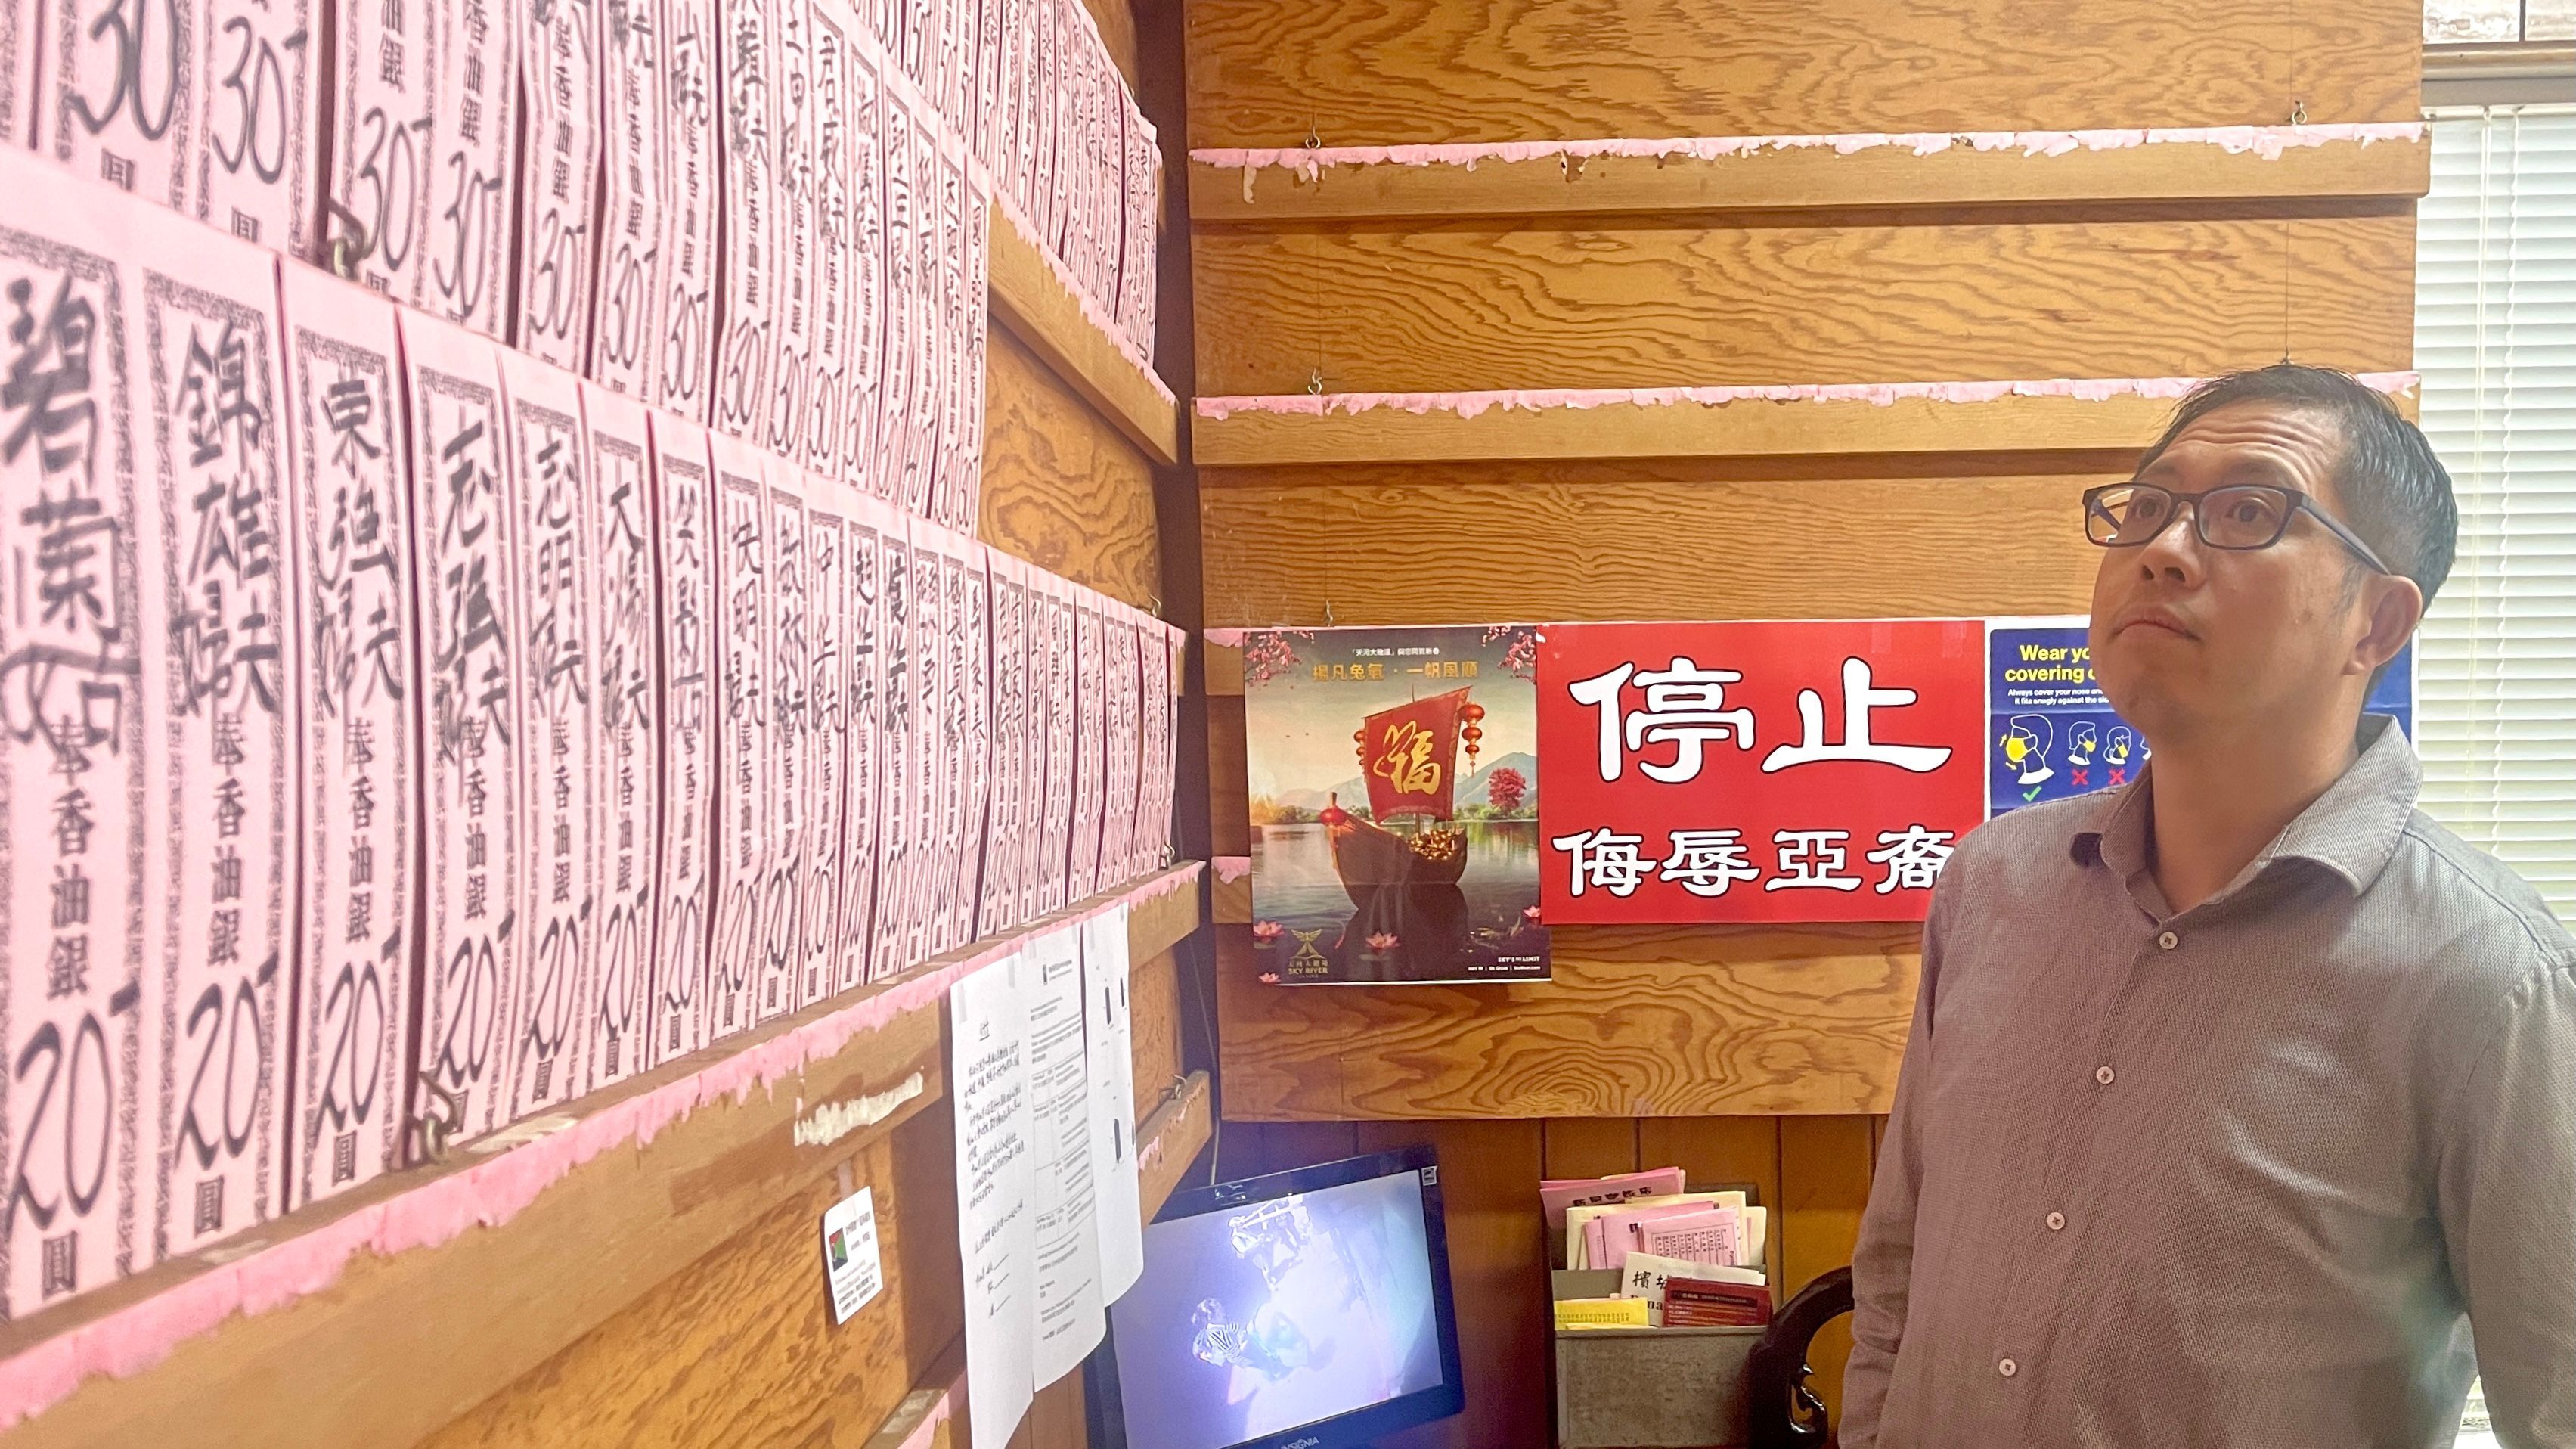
{"x":2177,"y":549}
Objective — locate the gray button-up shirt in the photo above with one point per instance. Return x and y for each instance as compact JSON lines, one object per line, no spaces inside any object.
{"x":2232,"y":1176}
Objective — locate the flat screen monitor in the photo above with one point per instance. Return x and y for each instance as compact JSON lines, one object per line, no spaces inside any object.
{"x":1303,"y":1310}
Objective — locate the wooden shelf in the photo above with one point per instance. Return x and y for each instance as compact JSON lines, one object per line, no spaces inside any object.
{"x":399,"y":1346}
{"x":1679,"y":430}
{"x":1170,"y":1139}
{"x":1029,"y":299}
{"x":1808,"y":179}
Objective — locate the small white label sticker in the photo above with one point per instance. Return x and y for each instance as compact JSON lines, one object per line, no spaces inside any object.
{"x":850,"y":1253}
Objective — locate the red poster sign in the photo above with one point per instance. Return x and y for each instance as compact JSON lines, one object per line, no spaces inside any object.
{"x":1412,"y":756}
{"x":1807,"y":771}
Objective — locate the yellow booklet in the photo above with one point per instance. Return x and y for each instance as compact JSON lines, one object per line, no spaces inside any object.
{"x":1601,"y":1313}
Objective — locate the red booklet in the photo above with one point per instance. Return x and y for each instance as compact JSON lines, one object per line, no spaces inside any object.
{"x":1700,"y":1303}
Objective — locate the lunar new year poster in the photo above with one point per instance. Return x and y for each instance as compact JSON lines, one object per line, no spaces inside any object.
{"x":1394,"y":795}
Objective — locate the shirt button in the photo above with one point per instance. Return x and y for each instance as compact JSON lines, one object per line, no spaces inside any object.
{"x":2056,"y":1222}
{"x":2007,"y":1368}
{"x":2168,"y":941}
{"x":2102,"y":1075}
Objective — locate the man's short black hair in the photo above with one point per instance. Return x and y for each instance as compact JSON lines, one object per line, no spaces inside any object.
{"x":2390,"y":488}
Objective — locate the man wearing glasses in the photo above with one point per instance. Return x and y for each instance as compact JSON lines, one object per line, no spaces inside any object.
{"x":2235,"y":1096}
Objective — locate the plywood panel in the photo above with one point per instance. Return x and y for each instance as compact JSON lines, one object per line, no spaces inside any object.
{"x":1523,"y":304}
{"x":1590,"y":1146}
{"x":1489,"y":1175}
{"x":1364,"y":72}
{"x":1229,"y":806}
{"x":1154,"y":1000}
{"x":1639,"y":1021}
{"x":1537,"y":542}
{"x":1062,"y":488}
{"x":1055,"y":1418}
{"x":1824,"y":1185}
{"x":738,"y":1350}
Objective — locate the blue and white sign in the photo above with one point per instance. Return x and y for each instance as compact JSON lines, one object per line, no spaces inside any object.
{"x":2052,"y":733}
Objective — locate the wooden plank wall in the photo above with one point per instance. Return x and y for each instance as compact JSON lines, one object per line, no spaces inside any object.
{"x":1746,"y":1056}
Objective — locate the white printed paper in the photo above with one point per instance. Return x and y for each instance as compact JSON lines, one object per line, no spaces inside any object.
{"x":687,"y":545}
{"x":626,"y":696}
{"x":475,"y":633}
{"x":362,"y":706}
{"x":988,"y":1023}
{"x":213,"y":552}
{"x":850,"y":1261}
{"x":626,"y":313}
{"x":1061,"y":1103}
{"x":972,"y":581}
{"x":73,"y":756}
{"x":473,"y":192}
{"x":375,"y":228}
{"x":1110,"y":1054}
{"x":563,"y":754}
{"x":122,"y":94}
{"x":21,"y":21}
{"x":789,"y":666}
{"x":890,"y":933}
{"x":684,"y":345}
{"x":558,"y":234}
{"x":742,"y":799}
{"x":258,"y":138}
{"x":827,"y":729}
{"x":792,"y":178}
{"x":749,"y":129}
{"x":863,"y":678}
{"x":998,"y":909}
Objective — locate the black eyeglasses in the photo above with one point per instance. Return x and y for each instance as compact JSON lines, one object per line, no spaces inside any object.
{"x":2240,"y":516}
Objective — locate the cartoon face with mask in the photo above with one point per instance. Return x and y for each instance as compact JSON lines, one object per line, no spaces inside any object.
{"x":2025,"y":745}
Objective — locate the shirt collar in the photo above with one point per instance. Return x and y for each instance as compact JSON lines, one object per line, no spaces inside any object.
{"x":2352,"y":829}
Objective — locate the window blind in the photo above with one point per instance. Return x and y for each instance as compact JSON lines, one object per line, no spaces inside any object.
{"x":2495,"y":340}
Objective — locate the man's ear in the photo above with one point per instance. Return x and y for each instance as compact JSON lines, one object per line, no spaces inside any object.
{"x":2395,"y":606}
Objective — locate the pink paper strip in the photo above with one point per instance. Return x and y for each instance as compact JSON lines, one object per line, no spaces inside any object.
{"x":2268,"y":142}
{"x":1231,"y":868}
{"x":488,"y":1194}
{"x":1878,"y":394}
